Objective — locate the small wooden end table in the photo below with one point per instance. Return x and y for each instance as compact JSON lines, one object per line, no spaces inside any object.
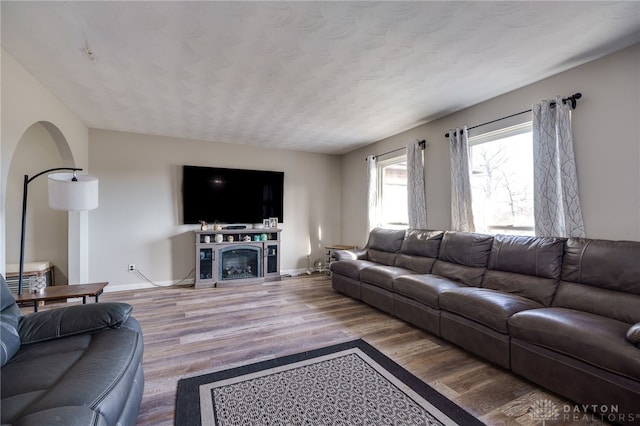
{"x":329,"y":256}
{"x":62,"y":292}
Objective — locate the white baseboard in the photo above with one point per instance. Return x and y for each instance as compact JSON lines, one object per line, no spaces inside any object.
{"x":302,"y":272}
{"x":144,"y":285}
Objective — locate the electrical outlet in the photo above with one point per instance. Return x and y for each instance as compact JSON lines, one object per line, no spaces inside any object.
{"x":131,"y":267}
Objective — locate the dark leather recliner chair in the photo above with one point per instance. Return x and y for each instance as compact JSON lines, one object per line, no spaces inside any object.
{"x":74,"y":365}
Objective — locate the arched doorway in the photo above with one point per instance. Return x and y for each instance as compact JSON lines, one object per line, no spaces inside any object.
{"x":41,"y":147}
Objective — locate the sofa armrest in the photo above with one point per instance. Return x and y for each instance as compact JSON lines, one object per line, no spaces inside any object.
{"x":633,"y":334}
{"x":72,"y":320}
{"x":351,"y":254}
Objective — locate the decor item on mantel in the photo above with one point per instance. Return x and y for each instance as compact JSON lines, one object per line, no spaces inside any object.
{"x":219,"y":238}
{"x":203,"y":225}
{"x":67,"y":191}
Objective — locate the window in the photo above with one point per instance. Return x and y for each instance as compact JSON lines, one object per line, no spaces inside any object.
{"x":393,"y":210}
{"x":502,"y":181}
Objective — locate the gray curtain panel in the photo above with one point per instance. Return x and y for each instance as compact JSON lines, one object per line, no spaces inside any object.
{"x":372,"y":193}
{"x":461,"y":213}
{"x":415,"y":187}
{"x":557,"y":209}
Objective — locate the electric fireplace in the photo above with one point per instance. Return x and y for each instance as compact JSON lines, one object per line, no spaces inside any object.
{"x":239,"y":262}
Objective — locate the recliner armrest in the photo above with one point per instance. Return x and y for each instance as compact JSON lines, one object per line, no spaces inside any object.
{"x":72,"y":320}
{"x":351,"y":254}
{"x":633,"y":334}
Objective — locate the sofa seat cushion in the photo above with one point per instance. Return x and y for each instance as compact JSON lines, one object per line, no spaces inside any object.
{"x":425,"y":289}
{"x":351,"y":267}
{"x":485,"y":306}
{"x":588,"y":337}
{"x":383,"y":276}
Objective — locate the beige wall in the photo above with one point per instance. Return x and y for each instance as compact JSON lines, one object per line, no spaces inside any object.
{"x":26,"y":102}
{"x":47,"y":229}
{"x":138,"y":220}
{"x":606,"y":128}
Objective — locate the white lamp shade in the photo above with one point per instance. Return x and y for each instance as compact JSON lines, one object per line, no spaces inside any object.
{"x":66,"y":194}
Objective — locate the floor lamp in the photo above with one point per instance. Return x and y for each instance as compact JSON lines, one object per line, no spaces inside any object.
{"x":67,"y":191}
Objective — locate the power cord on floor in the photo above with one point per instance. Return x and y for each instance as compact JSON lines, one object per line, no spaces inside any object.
{"x":178,"y":284}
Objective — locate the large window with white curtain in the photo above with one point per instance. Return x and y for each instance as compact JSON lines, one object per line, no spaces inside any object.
{"x":392,"y":193}
{"x":502,"y":180}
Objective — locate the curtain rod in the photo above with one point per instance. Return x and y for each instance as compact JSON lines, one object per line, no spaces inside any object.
{"x":422,"y":144}
{"x":573,"y":98}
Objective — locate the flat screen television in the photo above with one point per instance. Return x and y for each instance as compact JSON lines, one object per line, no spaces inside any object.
{"x":231,"y":195}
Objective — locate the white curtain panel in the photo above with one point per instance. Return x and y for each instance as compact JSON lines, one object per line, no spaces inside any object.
{"x":372,"y":193}
{"x":557,"y":209}
{"x":415,"y":186}
{"x":461,"y":213}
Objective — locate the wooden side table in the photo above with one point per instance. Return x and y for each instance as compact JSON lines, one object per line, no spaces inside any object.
{"x":62,"y":292}
{"x":329,"y":257}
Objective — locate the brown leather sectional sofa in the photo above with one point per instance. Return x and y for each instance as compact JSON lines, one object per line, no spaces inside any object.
{"x":563,"y":313}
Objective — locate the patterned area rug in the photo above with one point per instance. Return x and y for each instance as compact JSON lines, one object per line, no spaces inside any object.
{"x":347,"y":384}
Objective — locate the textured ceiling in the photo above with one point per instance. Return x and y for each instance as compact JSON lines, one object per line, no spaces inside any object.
{"x":314,"y":76}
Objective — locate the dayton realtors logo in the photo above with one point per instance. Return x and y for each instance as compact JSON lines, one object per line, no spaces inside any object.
{"x":546,"y":410}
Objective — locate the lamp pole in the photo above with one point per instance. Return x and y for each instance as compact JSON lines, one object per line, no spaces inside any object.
{"x":27,"y":181}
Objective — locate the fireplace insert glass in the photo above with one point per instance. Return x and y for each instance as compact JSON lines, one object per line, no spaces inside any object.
{"x":240,"y":262}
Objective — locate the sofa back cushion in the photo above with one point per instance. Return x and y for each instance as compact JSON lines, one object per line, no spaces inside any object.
{"x":527,"y":266}
{"x":537,"y":256}
{"x":9,"y":320}
{"x":618,"y":305}
{"x":465,"y":248}
{"x":382,"y":257}
{"x":601,"y":277}
{"x":389,"y":240}
{"x":534,"y":288}
{"x":383,"y":245}
{"x":463,"y":257}
{"x":422,"y":242}
{"x":419,"y":250}
{"x":613,"y":265}
{"x":466,"y":275}
{"x":419,"y":264}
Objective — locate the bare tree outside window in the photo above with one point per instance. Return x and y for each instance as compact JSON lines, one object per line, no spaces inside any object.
{"x":392,"y":194}
{"x":502,"y":184}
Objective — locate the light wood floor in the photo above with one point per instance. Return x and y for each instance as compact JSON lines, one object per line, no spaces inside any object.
{"x":189,"y":332}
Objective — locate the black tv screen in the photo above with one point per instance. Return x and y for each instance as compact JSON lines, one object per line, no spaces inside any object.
{"x":231,"y":195}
